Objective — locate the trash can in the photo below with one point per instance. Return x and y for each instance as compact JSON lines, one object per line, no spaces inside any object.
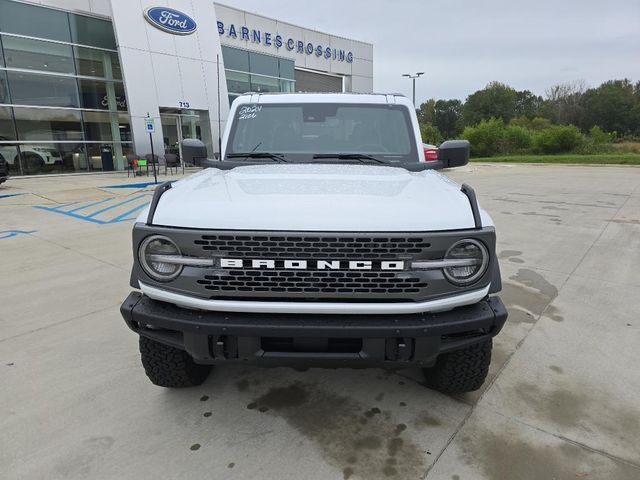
{"x":106,"y":154}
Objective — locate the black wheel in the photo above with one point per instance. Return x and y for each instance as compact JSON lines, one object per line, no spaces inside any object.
{"x":170,"y":367}
{"x":462,"y":370}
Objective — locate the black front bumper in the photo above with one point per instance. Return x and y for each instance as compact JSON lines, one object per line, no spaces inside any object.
{"x":322,"y":340}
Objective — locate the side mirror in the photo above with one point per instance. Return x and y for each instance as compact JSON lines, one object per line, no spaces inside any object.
{"x":193,"y":151}
{"x":454,"y":153}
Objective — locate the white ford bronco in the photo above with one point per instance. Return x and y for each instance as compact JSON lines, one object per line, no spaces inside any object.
{"x":322,"y":237}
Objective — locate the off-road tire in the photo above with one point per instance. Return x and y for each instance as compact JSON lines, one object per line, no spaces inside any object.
{"x":460,"y":371}
{"x":170,"y":367}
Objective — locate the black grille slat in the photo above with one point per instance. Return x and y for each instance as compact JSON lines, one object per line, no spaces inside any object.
{"x":373,"y":248}
{"x":330,"y":282}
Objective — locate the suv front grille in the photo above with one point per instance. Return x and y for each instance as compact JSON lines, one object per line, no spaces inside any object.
{"x":307,"y":247}
{"x":289,"y":281}
{"x":314,"y":285}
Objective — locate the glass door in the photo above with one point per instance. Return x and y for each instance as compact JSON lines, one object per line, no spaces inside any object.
{"x":178,"y":125}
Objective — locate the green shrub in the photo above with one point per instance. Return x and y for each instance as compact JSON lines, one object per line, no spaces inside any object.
{"x":599,"y":136}
{"x":558,"y":139}
{"x":485,"y":138}
{"x":520,"y":121}
{"x":430,"y":134}
{"x":515,"y":139}
{"x":540,"y":123}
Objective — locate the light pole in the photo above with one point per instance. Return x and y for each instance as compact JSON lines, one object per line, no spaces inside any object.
{"x":413,"y":77}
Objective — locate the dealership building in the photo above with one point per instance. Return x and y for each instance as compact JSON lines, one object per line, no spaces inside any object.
{"x":84,"y":84}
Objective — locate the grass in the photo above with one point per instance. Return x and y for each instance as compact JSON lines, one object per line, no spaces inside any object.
{"x":601,"y":158}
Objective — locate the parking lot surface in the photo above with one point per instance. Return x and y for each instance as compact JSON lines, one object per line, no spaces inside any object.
{"x":562,"y":400}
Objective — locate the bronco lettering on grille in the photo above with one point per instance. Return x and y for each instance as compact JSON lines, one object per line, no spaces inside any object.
{"x":312,"y":264}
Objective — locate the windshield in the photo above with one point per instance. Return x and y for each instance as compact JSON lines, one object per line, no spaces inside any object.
{"x":304,"y":131}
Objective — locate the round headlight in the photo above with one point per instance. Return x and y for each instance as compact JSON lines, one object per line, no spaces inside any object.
{"x":474,"y":260}
{"x":151,"y":253}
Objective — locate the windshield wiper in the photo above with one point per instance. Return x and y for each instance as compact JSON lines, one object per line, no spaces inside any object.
{"x":278,"y":157}
{"x":361,"y":157}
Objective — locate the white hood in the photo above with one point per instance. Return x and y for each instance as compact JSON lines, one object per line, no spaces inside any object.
{"x":316,"y":197}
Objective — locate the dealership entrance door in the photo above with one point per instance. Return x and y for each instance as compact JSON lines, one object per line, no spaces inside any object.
{"x":180,"y":124}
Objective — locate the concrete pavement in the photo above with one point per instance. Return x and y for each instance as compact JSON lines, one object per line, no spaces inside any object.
{"x":562,"y":400}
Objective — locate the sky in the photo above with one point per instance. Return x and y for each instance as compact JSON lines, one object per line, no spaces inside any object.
{"x":462,"y":45}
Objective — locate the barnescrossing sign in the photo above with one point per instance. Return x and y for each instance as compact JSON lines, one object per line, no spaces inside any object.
{"x":170,"y":20}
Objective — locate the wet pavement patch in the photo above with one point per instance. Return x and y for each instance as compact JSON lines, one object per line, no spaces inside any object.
{"x":529,"y":297}
{"x":372,"y":412}
{"x":374,"y":449}
{"x":242,"y":385}
{"x":506,"y":456}
{"x":509,"y":253}
{"x":533,"y":279}
{"x":425,"y":419}
{"x":569,"y":405}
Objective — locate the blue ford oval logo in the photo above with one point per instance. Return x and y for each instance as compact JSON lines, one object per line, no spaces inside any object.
{"x":170,"y":20}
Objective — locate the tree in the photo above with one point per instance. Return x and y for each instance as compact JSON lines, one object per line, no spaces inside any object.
{"x":430,"y":134}
{"x":613,"y":106}
{"x":485,"y":138}
{"x":426,"y":112}
{"x":562,"y":103}
{"x":496,"y":100}
{"x":447,"y":115}
{"x":527,"y":104}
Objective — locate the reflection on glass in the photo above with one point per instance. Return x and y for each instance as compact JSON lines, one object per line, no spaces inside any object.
{"x":10,"y":153}
{"x":48,"y":124}
{"x":95,"y":94}
{"x":7,"y":132}
{"x":264,"y":84}
{"x":92,"y":31}
{"x":98,"y":63}
{"x":170,"y":132}
{"x":238,"y":82}
{"x":287,"y":86}
{"x":191,"y":127}
{"x":235,"y":59}
{"x":37,"y":55}
{"x":287,"y":69}
{"x":4,"y":88}
{"x":263,"y":64}
{"x":49,"y":90}
{"x":124,"y":125}
{"x":34,"y":21}
{"x":97,"y":126}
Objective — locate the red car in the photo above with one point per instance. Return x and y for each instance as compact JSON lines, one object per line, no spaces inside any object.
{"x":430,"y":152}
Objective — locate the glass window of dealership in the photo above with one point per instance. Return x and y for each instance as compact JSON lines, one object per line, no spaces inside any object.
{"x":256,"y":72}
{"x":61,"y":91}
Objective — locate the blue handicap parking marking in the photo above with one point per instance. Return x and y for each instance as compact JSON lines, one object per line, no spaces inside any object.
{"x":130,"y":185}
{"x":14,"y":233}
{"x":104,"y":211}
{"x":11,"y":195}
